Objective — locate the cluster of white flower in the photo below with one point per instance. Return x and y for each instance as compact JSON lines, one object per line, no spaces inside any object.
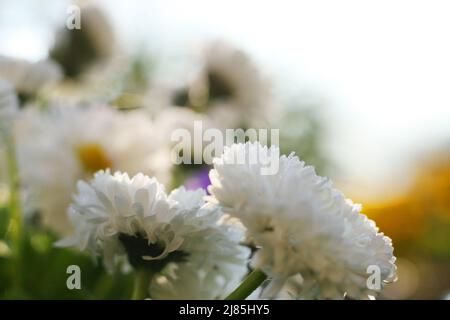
{"x":308,"y":238}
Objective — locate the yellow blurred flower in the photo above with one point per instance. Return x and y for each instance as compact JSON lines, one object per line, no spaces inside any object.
{"x":432,"y":187}
{"x":400,"y":219}
{"x":405,"y":218}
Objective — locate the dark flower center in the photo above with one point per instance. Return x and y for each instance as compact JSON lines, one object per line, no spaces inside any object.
{"x":219,"y":88}
{"x":137,"y":246}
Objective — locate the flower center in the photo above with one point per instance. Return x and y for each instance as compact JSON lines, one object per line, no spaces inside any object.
{"x":93,"y":158}
{"x":138,"y":247}
{"x":219,"y":88}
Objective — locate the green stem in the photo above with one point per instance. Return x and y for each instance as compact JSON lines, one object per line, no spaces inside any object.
{"x":15,"y":224}
{"x":142,"y":281}
{"x":14,"y":199}
{"x":250,"y":284}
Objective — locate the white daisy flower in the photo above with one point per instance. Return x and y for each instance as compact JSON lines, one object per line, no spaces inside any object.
{"x":116,"y":217}
{"x":302,"y":225}
{"x":92,"y":58}
{"x":79,"y":50}
{"x":28,"y":78}
{"x":59,"y":146}
{"x":225,"y":85}
{"x":234,"y":87}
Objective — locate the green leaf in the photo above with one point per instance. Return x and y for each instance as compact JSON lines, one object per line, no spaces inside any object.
{"x":4,"y":221}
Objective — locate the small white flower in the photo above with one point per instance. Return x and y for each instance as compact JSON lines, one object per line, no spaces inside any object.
{"x":116,"y":217}
{"x":59,"y":146}
{"x":302,"y":225}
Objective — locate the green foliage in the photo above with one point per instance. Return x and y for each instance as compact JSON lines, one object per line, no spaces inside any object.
{"x":4,"y":222}
{"x":436,"y":237}
{"x":301,"y":131}
{"x":42,"y":273}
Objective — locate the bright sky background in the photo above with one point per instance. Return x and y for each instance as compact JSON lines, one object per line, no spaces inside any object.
{"x":382,"y":66}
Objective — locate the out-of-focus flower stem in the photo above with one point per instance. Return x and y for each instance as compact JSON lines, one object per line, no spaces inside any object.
{"x":250,"y":284}
{"x":143,"y":277}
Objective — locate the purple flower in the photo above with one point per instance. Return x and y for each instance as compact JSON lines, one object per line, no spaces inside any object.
{"x":199,"y":179}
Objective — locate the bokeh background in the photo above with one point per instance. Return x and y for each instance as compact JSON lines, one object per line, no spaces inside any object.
{"x":360,"y":88}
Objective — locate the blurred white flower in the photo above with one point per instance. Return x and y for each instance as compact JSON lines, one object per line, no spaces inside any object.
{"x":234,"y":87}
{"x":59,"y":146}
{"x":29,"y":77}
{"x":302,"y":225}
{"x":92,"y":59}
{"x":79,"y":50}
{"x":226,"y":86}
{"x":116,"y":217}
